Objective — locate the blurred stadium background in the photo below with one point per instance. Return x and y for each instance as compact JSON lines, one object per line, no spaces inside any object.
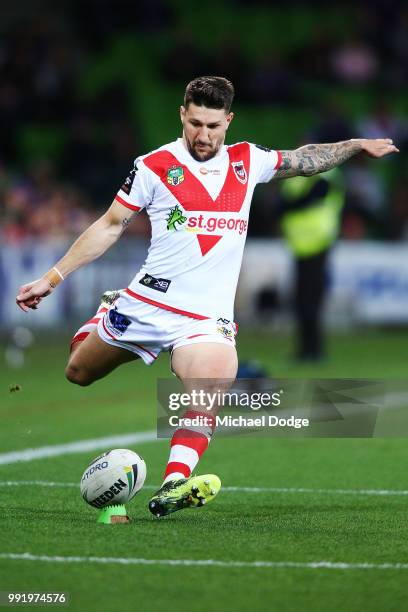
{"x":86,"y":86}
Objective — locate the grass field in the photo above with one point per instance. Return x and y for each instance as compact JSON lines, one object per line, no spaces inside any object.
{"x":309,"y":501}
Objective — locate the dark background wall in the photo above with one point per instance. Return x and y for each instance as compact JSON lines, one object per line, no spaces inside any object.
{"x":86,"y":86}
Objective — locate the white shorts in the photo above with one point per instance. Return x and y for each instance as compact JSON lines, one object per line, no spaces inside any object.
{"x":148,"y":330}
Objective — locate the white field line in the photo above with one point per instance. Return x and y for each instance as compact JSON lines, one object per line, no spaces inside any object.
{"x":70,"y":448}
{"x":380,"y":492}
{"x":331,"y":565}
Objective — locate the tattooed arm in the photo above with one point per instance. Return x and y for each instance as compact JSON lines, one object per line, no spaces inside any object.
{"x":315,"y":158}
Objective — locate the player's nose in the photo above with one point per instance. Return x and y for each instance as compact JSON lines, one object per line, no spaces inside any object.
{"x":202,"y":136}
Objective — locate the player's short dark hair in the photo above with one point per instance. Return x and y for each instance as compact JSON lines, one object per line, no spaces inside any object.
{"x":210,"y":91}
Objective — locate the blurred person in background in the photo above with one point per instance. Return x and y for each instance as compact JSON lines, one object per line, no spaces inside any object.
{"x":354,"y":62}
{"x":37,"y":205}
{"x":310,"y":210}
{"x":397,"y":218}
{"x":382,"y":120}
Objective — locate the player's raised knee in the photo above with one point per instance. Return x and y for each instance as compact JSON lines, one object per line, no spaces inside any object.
{"x":77,"y":375}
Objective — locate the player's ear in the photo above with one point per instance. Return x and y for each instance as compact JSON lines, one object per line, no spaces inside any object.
{"x":182,"y":113}
{"x":230,"y":117}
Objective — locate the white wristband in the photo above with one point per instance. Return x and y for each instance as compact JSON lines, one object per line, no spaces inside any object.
{"x":58,"y":272}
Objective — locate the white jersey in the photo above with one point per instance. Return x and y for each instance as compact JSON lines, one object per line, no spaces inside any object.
{"x":199,"y":216}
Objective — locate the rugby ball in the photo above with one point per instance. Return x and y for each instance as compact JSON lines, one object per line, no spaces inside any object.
{"x":113,"y":478}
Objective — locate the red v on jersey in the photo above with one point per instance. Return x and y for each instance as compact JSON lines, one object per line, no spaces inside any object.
{"x":191,"y":193}
{"x":193,"y":196}
{"x":207,"y":242}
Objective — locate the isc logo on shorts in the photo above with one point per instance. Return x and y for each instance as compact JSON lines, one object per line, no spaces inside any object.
{"x":116,"y":322}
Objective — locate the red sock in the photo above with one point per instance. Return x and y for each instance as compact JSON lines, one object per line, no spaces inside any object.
{"x":187,"y":446}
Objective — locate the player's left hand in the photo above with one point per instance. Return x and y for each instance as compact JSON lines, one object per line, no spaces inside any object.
{"x":31,"y":294}
{"x":378,"y":147}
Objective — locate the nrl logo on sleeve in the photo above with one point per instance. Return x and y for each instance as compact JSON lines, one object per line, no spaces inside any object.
{"x":240,"y":171}
{"x":175,"y":175}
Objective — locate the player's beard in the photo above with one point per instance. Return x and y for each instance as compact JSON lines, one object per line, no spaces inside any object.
{"x":204,"y":155}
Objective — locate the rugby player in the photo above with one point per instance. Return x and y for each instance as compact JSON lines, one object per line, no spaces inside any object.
{"x":197,"y":192}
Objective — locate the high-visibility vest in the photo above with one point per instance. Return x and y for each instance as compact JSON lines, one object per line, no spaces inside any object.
{"x":312,"y":229}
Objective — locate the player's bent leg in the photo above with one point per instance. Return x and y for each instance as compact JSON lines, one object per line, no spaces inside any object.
{"x":210,"y":360}
{"x":211,"y":367}
{"x":107,"y":299}
{"x":93,"y":359}
{"x":207,"y":367}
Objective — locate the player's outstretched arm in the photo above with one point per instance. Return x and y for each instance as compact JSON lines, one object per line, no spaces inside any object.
{"x":90,"y":245}
{"x":315,"y":158}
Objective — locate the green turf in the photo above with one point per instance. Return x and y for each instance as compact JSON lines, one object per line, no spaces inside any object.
{"x":238,"y":526}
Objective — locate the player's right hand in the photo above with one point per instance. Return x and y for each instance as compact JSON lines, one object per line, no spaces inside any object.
{"x":31,"y":294}
{"x":378,"y":147}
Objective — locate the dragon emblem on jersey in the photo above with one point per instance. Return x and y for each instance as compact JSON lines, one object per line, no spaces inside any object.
{"x":175,"y":175}
{"x":175,"y":218}
{"x":240,"y":172}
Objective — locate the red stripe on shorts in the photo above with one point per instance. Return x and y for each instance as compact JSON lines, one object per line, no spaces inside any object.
{"x":145,"y":350}
{"x":94,"y":320}
{"x":196,"y":336}
{"x":165,"y":306}
{"x":138,"y":345}
{"x":79,"y":338}
{"x":109,"y":334}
